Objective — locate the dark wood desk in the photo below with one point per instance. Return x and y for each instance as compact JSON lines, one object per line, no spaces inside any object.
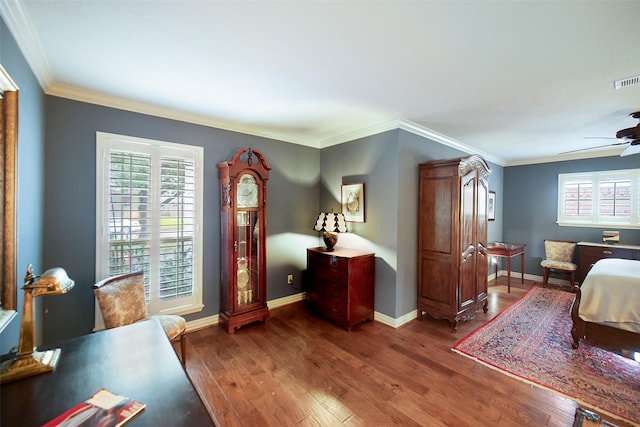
{"x":508,"y":250}
{"x":136,"y":361}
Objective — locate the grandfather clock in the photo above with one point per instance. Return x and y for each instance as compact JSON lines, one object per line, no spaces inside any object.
{"x":243,"y":192}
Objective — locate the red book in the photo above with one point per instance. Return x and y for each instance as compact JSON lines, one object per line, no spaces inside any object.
{"x":103,"y":409}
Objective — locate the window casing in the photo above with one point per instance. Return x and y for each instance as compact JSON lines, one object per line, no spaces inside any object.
{"x":149,"y":217}
{"x":600,"y":199}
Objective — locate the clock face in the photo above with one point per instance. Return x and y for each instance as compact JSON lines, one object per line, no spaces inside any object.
{"x":247,"y":192}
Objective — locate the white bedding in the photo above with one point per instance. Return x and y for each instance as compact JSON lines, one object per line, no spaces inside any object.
{"x":611,"y":294}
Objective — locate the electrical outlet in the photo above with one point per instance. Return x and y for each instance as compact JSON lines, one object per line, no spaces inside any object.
{"x":290,"y":279}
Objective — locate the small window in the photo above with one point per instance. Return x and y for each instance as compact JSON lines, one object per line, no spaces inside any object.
{"x":149,"y":218}
{"x":599,"y":199}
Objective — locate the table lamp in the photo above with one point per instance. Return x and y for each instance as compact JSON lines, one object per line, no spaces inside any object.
{"x":330,"y":224}
{"x":29,"y":361}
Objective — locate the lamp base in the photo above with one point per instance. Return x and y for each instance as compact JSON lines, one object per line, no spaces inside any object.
{"x":330,"y":240}
{"x":36,"y":363}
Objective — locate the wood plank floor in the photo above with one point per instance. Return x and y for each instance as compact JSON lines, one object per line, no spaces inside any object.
{"x":300,"y":370}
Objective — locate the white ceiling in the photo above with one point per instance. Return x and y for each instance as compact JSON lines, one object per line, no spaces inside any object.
{"x":517,"y":81}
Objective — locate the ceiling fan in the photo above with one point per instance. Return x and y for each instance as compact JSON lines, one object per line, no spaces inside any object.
{"x":629,"y":136}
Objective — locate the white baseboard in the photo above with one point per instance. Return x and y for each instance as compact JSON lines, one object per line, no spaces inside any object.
{"x":515,"y":275}
{"x":205,"y":322}
{"x":394,"y":322}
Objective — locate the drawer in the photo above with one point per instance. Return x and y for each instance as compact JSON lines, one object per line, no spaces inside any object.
{"x":324,"y":262}
{"x":337,"y":290}
{"x":335,"y":309}
{"x":330,"y":276}
{"x":332,"y":290}
{"x":599,"y":252}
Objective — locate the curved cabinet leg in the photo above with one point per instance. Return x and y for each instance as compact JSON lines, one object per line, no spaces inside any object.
{"x":454,"y":324}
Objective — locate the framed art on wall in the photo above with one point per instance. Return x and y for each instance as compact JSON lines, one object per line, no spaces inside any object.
{"x":352,"y":196}
{"x":491,"y":207}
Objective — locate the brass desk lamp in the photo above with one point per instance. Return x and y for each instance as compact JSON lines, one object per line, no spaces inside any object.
{"x":29,"y":361}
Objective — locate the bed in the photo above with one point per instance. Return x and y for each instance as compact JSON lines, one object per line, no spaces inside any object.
{"x":606,"y":309}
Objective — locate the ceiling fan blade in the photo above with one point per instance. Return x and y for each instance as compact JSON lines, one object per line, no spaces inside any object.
{"x":631,"y":149}
{"x":593,"y":148}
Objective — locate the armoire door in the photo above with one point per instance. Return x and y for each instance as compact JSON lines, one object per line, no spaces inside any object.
{"x":482,"y":260}
{"x":467,"y":240}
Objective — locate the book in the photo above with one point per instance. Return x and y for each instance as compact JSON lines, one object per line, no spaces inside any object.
{"x":103,"y":409}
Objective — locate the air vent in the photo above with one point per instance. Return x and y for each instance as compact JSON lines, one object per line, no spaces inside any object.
{"x":619,"y":84}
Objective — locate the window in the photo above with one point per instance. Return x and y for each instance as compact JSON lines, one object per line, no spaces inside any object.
{"x":600,"y":199}
{"x":149,"y":217}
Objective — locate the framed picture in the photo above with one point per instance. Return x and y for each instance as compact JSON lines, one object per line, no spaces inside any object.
{"x":353,"y":202}
{"x":491,"y":207}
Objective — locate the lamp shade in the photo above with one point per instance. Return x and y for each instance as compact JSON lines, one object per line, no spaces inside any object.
{"x":331,"y":222}
{"x":53,"y":282}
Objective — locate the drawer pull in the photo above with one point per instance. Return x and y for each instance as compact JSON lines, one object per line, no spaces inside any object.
{"x":607,"y":252}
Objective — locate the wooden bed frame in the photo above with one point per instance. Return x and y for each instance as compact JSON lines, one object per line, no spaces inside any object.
{"x":598,"y":333}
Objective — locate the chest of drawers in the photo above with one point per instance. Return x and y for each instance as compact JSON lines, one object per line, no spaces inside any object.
{"x":340,"y":285}
{"x":589,"y":253}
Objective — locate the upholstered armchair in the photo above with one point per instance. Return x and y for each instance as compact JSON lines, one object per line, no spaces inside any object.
{"x":559,"y":260}
{"x":121,"y":301}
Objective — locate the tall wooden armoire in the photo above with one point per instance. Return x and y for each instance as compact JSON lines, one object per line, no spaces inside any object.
{"x":452,"y":238}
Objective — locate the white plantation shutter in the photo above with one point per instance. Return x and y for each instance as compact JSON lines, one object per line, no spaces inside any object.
{"x":597,"y":199}
{"x":177,"y":204}
{"x":129,"y":189}
{"x":149,"y":216}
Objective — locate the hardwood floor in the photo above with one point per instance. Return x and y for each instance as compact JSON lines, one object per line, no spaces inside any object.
{"x":300,"y":370}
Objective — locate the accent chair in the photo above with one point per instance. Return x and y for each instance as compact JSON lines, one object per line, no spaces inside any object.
{"x":559,"y":260}
{"x":121,"y":301}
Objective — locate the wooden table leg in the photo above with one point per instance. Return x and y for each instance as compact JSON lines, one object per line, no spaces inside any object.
{"x":522,"y":266}
{"x":509,"y":275}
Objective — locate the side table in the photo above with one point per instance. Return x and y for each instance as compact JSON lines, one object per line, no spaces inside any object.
{"x":508,"y":250}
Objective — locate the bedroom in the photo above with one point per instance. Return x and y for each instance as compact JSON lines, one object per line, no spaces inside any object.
{"x":57,"y":211}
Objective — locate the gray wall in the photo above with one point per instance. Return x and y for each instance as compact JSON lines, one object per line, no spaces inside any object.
{"x":530,"y":207}
{"x":388,"y":165}
{"x":70,"y":203}
{"x":414,"y":150}
{"x":374,"y":161}
{"x":30,"y":183}
{"x":59,"y":229}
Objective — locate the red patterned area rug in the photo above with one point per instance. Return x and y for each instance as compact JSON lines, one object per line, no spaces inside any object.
{"x":531,"y":340}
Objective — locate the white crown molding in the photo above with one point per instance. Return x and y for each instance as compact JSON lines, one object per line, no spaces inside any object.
{"x":6,"y":82}
{"x":408,"y":126}
{"x":20,"y":27}
{"x":567,"y":157}
{"x":445,"y":140}
{"x":92,"y":97}
{"x":352,"y":135}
